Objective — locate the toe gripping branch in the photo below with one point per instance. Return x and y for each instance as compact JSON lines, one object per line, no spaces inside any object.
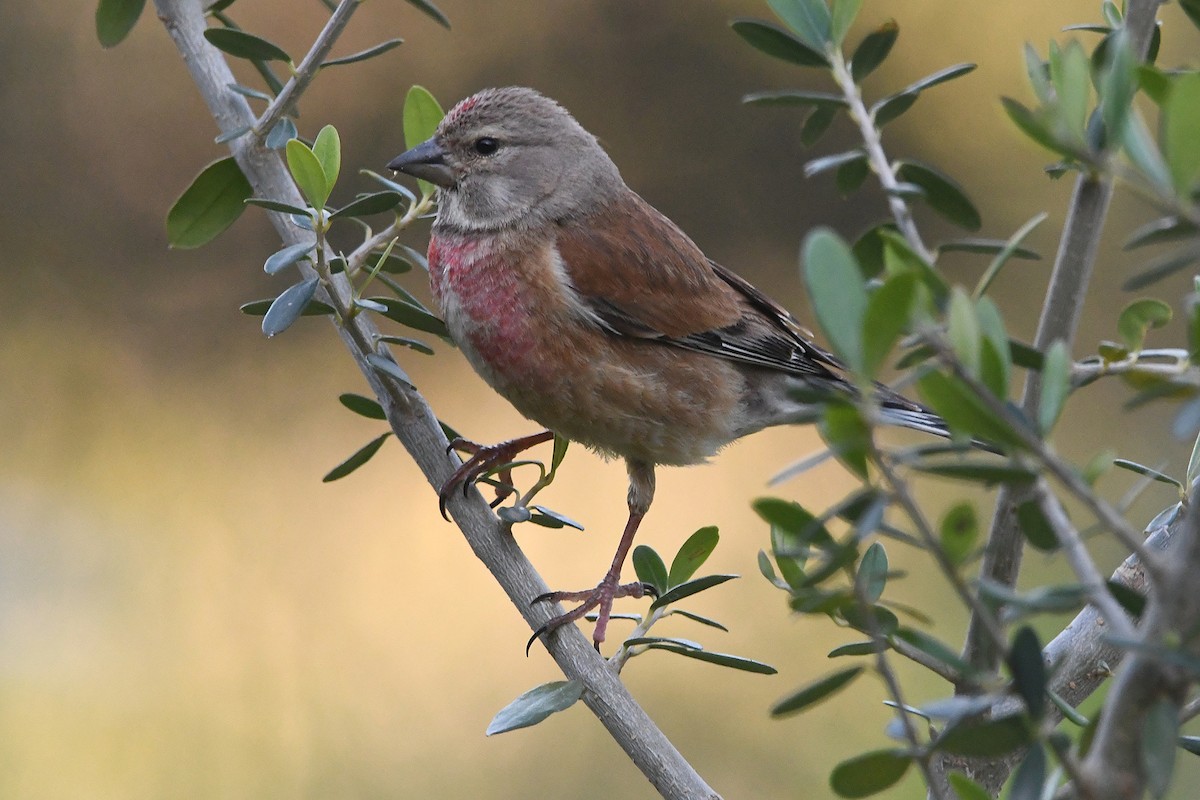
{"x":484,"y":459}
{"x":602,"y":597}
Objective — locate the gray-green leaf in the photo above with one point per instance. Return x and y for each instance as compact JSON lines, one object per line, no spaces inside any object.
{"x":535,"y":705}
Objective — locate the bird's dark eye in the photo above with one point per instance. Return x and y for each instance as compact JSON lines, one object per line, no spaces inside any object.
{"x":486,"y":145}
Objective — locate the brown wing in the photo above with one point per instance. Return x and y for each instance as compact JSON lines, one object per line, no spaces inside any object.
{"x":676,"y":296}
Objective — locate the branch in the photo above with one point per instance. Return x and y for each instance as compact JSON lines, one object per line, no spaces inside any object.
{"x":1114,"y":616}
{"x":878,"y":160}
{"x":417,"y":429}
{"x":1059,"y":321}
{"x":1079,"y":659}
{"x":286,"y":101}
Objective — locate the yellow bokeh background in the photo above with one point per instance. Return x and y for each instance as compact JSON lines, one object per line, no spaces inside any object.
{"x":187,"y":611}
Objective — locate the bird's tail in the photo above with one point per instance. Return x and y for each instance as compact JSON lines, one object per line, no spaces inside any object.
{"x":899,"y":410}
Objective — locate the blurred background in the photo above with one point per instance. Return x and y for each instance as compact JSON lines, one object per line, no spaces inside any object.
{"x":187,"y":611}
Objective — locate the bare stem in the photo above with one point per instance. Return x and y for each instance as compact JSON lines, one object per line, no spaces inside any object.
{"x":309,"y":65}
{"x":872,"y":141}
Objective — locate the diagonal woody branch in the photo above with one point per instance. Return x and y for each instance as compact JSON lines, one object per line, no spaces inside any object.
{"x":417,"y":429}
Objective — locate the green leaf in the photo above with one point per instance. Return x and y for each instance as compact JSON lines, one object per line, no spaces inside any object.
{"x":838,"y":293}
{"x":987,"y":246}
{"x":1158,"y":745}
{"x":1142,"y":150}
{"x":281,"y":133}
{"x":958,"y":532}
{"x":995,"y":356}
{"x":847,"y":434}
{"x":885,"y":319}
{"x":988,"y":473}
{"x":1010,"y":249}
{"x":115,"y":19}
{"x":328,"y":149}
{"x":1162,"y":267}
{"x":712,"y":623}
{"x":967,"y":789}
{"x":964,"y":412}
{"x":892,"y":106}
{"x":935,"y":649}
{"x":939,"y":77}
{"x":649,"y":566}
{"x":422,"y":114}
{"x":1139,"y":317}
{"x":844,"y":14}
{"x":692,"y":555}
{"x":1192,"y":9}
{"x":872,"y":573}
{"x":1163,"y":229}
{"x":773,"y":40}
{"x":1056,"y":385}
{"x":1130,"y":599}
{"x":795,"y":525}
{"x":855,"y":649}
{"x":869,"y":773}
{"x":1191,"y":744}
{"x":817,"y":123}
{"x":962,"y":329}
{"x":688,"y":589}
{"x":363,"y":406}
{"x":535,"y":705}
{"x":1036,"y":126}
{"x":362,"y":456}
{"x":870,"y":619}
{"x":211,"y":204}
{"x":1030,"y":776}
{"x":720,"y":659}
{"x":943,"y":195}
{"x":873,"y":49}
{"x":367,"y":204}
{"x":1028,"y":671}
{"x":794,"y":97}
{"x":549,"y":518}
{"x":808,"y":18}
{"x":815,"y":692}
{"x":363,"y":55}
{"x":275,"y":205}
{"x":852,"y":175}
{"x":282,"y":259}
{"x":308,"y":173}
{"x":240,"y":44}
{"x":1117,"y":83}
{"x":259,"y":308}
{"x":431,"y":11}
{"x":984,"y":739}
{"x":1035,"y":527}
{"x":288,"y":307}
{"x":413,"y":317}
{"x":819,"y":165}
{"x":1181,"y":145}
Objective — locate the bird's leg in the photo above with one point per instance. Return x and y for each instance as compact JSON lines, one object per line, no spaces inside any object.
{"x":483,"y":459}
{"x":641,"y":493}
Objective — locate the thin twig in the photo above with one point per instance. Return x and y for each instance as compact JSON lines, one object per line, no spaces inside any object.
{"x":905,"y":499}
{"x":283,"y":104}
{"x":872,"y":141}
{"x":1081,"y":562}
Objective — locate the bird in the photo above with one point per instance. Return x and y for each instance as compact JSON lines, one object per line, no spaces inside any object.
{"x":597,"y":317}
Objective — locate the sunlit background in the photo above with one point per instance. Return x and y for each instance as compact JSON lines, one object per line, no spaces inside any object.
{"x":186,"y":611}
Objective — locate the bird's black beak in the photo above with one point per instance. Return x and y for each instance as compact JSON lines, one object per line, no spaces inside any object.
{"x":426,"y":161}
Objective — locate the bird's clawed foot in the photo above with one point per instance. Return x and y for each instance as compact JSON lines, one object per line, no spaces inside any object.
{"x":484,"y":459}
{"x":601,"y":597}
